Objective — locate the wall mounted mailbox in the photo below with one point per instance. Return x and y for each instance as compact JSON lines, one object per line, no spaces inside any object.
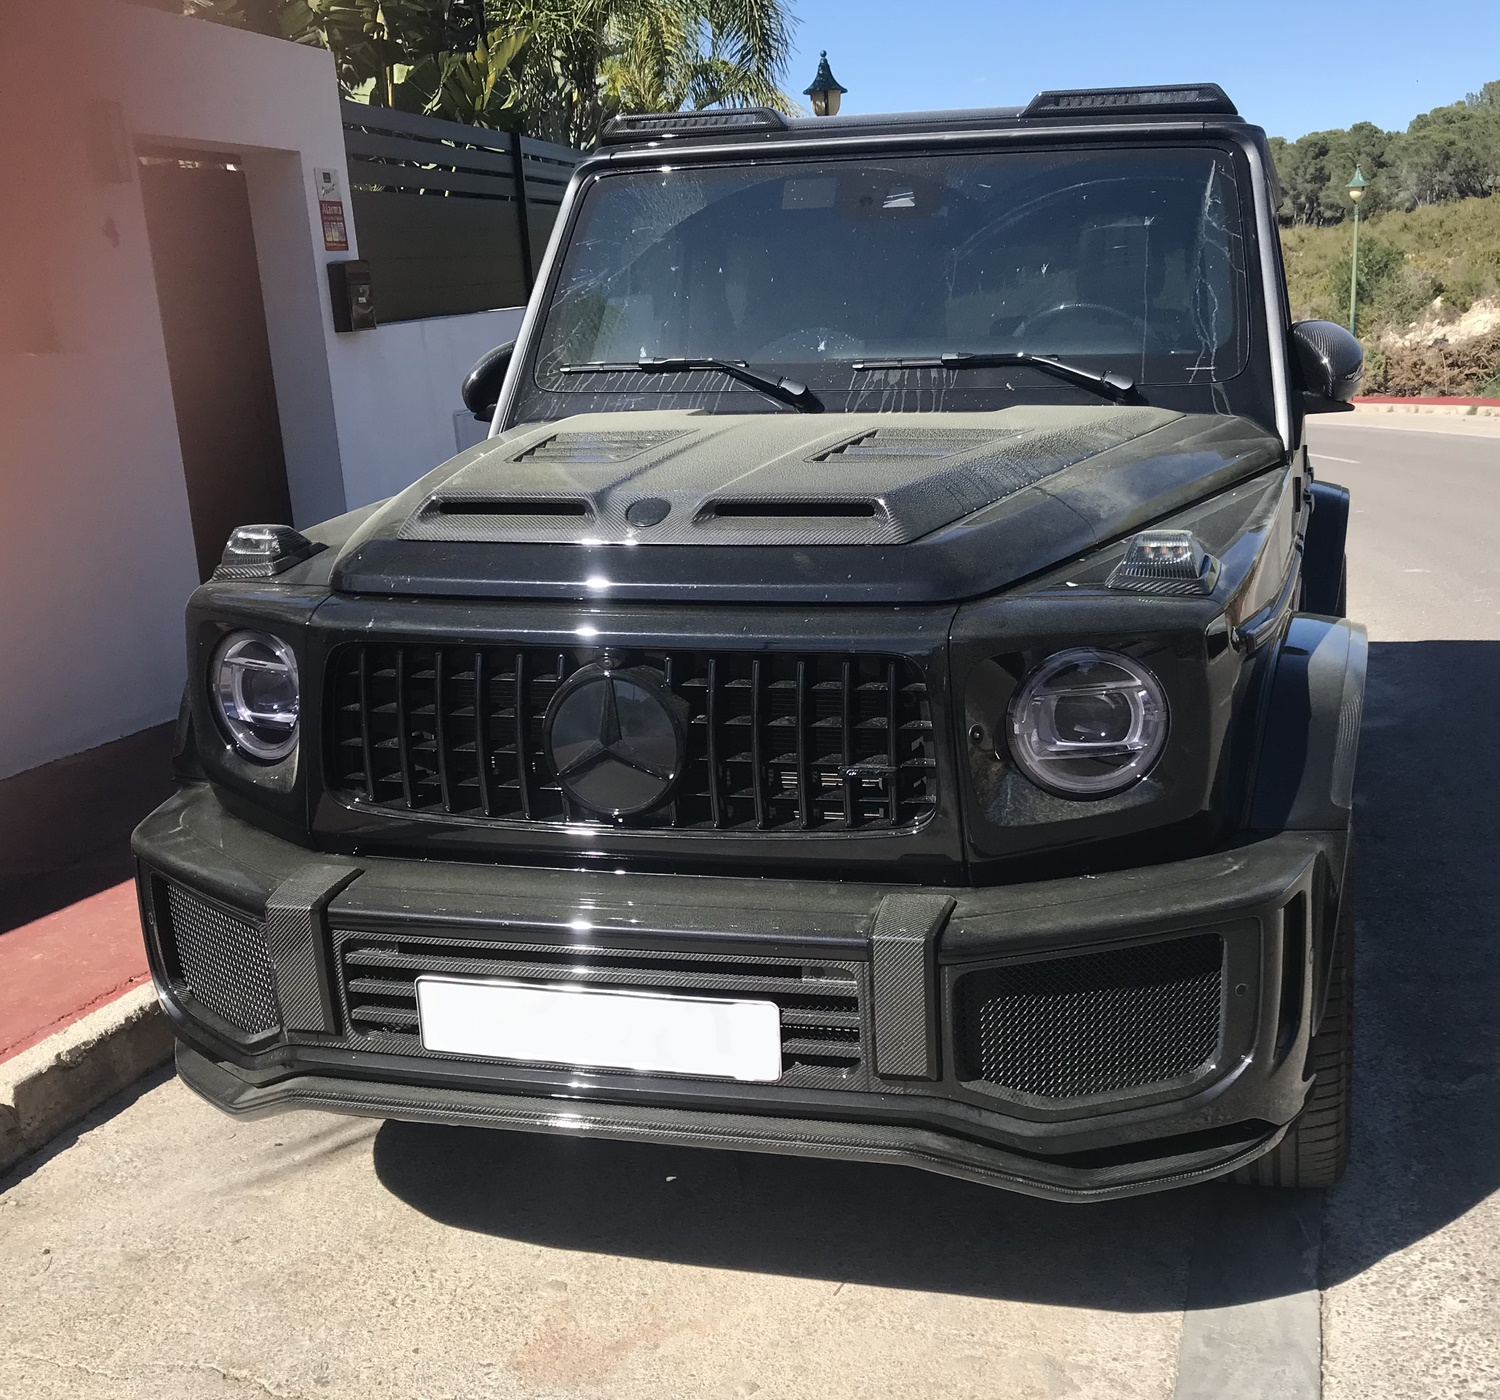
{"x":353,"y":299}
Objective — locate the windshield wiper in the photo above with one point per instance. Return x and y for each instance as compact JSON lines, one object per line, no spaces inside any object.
{"x":788,"y":391}
{"x":1109,"y":384}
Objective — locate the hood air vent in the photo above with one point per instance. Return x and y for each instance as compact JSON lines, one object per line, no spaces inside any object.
{"x":790,"y":510}
{"x":546,"y":518}
{"x":594,"y":447}
{"x":490,"y":505}
{"x":909,"y":442}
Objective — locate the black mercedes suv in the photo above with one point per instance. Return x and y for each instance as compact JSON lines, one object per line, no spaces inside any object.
{"x":881,"y":689}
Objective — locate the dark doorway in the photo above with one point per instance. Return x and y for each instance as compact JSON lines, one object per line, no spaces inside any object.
{"x":208,"y":284}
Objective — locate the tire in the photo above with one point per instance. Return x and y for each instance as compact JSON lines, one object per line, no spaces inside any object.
{"x":1315,"y":1150}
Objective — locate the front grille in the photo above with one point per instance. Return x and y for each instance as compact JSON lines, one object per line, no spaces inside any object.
{"x":221,"y":959}
{"x":775,"y":742}
{"x":1101,"y":1022}
{"x":822,"y":1037}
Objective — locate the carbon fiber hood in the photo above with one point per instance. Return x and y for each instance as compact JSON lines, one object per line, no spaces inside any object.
{"x":945,"y":505}
{"x":757,"y":479}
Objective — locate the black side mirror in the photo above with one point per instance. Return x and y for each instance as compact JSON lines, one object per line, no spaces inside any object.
{"x":481,"y":387}
{"x":1330,"y":365}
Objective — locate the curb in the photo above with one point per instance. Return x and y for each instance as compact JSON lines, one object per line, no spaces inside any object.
{"x":56,"y":1082}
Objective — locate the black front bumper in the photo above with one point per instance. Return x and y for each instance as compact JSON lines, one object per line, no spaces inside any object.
{"x":913,"y":1093}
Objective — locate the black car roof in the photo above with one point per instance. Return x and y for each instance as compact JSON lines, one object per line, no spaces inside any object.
{"x":1090,"y":106}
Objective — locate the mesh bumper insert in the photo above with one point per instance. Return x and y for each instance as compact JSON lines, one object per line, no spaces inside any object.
{"x":1098,"y":1023}
{"x":220,"y":958}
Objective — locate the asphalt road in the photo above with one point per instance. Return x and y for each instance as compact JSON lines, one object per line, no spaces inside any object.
{"x":166,"y":1251}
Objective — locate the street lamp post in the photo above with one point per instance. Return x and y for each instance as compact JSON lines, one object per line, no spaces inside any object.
{"x":1356,"y":193}
{"x":825,"y":90}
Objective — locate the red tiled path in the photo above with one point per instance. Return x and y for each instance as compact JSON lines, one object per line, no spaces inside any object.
{"x":66,"y":964}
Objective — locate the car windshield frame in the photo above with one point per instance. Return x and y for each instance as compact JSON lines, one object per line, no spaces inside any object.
{"x":541,"y":393}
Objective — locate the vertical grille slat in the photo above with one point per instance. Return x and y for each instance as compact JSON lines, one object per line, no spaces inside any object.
{"x":403,"y":731}
{"x":715,"y":770}
{"x":522,"y":734}
{"x":812,"y":742}
{"x":758,"y":744}
{"x":365,"y":705}
{"x":846,"y":753}
{"x":804,"y":773}
{"x":440,"y":728}
{"x":482,"y":758}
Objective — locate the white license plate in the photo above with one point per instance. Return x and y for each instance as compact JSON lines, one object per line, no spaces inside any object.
{"x":614,"y":1029}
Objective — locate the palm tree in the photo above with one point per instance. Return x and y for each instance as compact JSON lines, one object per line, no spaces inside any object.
{"x":559,"y":69}
{"x":588,"y":60}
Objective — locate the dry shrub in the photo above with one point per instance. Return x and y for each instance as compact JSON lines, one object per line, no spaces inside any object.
{"x":1464,"y":368}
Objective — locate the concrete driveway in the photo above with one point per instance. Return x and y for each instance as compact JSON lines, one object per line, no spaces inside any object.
{"x":163,"y":1250}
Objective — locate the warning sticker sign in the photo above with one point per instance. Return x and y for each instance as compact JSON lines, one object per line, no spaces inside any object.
{"x":335,"y":230}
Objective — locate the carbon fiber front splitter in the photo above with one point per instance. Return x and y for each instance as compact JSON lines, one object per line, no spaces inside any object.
{"x":863,"y":1142}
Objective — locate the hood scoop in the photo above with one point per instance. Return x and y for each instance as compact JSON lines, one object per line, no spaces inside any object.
{"x":680,"y":478}
{"x":555,"y":519}
{"x":587,"y":448}
{"x":790,"y":510}
{"x":883,"y":443}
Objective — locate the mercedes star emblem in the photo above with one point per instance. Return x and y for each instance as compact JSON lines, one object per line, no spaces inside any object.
{"x":616,"y":740}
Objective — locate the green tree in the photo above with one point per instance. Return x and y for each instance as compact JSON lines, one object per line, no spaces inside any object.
{"x":591,"y":59}
{"x":1448,"y":153}
{"x":1316,"y":169}
{"x":443,"y":57}
{"x":1445,"y":154}
{"x":560,"y":69}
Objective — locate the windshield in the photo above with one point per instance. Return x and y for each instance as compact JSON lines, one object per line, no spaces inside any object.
{"x":1121,"y":259}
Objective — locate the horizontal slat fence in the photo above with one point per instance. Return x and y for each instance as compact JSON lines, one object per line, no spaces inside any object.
{"x":437,"y":207}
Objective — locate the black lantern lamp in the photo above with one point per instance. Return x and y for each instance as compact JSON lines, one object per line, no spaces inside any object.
{"x":826,"y":93}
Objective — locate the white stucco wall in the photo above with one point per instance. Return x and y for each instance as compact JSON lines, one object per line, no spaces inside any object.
{"x":399,"y":392}
{"x":96,"y":548}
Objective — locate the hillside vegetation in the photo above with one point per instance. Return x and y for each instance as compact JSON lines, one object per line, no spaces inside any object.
{"x":1406,"y":261}
{"x":1429,"y":280}
{"x":1448,"y":153}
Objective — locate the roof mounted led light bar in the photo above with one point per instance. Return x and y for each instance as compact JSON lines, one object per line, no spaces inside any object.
{"x":668,"y":126}
{"x":1199,"y":99}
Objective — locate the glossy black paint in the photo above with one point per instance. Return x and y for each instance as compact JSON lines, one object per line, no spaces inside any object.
{"x":1032,"y":529}
{"x":1238,"y":823}
{"x":1114,"y":1143}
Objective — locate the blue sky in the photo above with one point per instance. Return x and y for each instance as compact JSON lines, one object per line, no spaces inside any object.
{"x":1290,"y":67}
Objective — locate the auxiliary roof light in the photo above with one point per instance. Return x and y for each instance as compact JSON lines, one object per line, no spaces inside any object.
{"x":263,"y":551}
{"x":1165,"y":562}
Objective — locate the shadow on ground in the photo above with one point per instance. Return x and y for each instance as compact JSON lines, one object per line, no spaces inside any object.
{"x":1425,"y":1149}
{"x":1427,"y":814}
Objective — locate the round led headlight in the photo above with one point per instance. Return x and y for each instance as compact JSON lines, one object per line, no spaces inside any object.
{"x":1087,"y":723}
{"x":254,"y":689}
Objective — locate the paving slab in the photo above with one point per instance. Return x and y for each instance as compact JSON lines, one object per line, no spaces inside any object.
{"x":317,"y":1256}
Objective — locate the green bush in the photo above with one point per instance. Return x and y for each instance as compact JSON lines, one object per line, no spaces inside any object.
{"x":1449,"y":250}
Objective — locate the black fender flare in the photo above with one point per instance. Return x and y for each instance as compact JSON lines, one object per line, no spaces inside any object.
{"x":1323,"y":548}
{"x":1304,"y":779}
